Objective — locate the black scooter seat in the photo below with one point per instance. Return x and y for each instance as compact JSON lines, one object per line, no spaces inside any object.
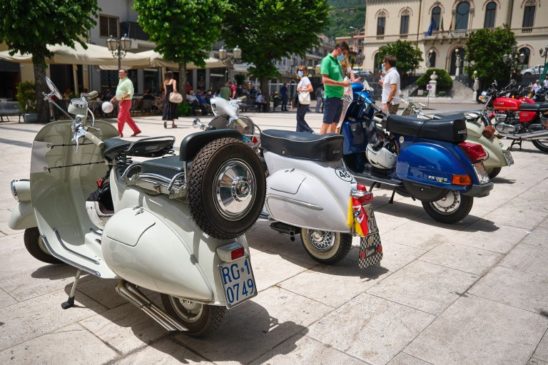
{"x":448,"y":129}
{"x":303,"y":145}
{"x":534,"y":107}
{"x":146,"y":147}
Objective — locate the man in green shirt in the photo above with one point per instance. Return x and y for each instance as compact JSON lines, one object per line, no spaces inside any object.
{"x":334,"y":84}
{"x":124,"y":94}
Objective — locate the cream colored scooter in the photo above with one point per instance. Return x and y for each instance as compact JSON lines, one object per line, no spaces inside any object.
{"x":174,"y":224}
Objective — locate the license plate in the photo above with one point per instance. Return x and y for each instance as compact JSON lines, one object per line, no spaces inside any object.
{"x":483,"y":177}
{"x":508,"y":157}
{"x":238,"y":281}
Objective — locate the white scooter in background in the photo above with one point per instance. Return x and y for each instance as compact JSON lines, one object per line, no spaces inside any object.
{"x":173,"y":225}
{"x":309,"y":190}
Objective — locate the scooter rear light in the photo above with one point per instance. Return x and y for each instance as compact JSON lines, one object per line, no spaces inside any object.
{"x":361,"y":193}
{"x":231,"y":252}
{"x":474,"y":151}
{"x":464,"y":180}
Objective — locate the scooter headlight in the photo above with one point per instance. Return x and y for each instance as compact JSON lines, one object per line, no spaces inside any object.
{"x":14,"y":190}
{"x":20,"y":189}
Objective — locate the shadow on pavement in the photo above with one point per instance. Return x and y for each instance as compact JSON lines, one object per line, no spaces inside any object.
{"x":502,"y":180}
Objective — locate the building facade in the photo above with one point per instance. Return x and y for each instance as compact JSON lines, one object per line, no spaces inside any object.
{"x":440,"y":28}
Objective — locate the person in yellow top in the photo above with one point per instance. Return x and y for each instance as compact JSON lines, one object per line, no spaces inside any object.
{"x":124,"y":94}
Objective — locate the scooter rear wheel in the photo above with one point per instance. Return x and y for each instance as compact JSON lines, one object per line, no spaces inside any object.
{"x":493,"y":172}
{"x":452,"y":208}
{"x":200,"y":319}
{"x":326,"y":247}
{"x":35,"y":246}
{"x":227,"y":188}
{"x":541,"y":145}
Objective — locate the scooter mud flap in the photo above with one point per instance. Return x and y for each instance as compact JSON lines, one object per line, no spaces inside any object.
{"x":370,"y":246}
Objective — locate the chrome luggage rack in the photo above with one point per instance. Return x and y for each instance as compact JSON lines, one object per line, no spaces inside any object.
{"x":174,"y":188}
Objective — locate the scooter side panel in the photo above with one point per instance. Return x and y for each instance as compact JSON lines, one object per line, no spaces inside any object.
{"x":493,"y":147}
{"x":151,"y":255}
{"x":431,"y":164}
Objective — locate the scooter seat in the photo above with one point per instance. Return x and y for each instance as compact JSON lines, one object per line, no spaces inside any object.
{"x":443,"y":129}
{"x":146,"y":147}
{"x":163,"y":166}
{"x":534,"y":107}
{"x":303,"y":145}
{"x":115,"y":146}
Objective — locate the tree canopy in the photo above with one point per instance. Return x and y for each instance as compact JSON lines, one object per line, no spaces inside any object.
{"x":345,"y":17}
{"x":183,"y":30}
{"x":485,"y":49}
{"x":268,"y":30}
{"x":408,"y":55}
{"x":29,"y":26}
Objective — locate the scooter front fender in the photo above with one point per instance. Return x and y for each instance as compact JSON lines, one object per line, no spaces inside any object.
{"x":432,"y":164}
{"x":22,"y":216}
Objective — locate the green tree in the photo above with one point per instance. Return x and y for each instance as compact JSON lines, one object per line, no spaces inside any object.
{"x":407,"y":54}
{"x":268,"y":30}
{"x":183,"y":30}
{"x":345,"y":17}
{"x":484,"y":51}
{"x":29,"y":26}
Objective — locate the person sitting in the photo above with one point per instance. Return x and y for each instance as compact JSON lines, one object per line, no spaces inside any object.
{"x":193,"y":101}
{"x":260,"y":102}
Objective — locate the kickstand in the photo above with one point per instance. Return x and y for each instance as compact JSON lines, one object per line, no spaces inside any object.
{"x":391,"y":201}
{"x":517,"y":142}
{"x":70,"y":301}
{"x":372,"y":186}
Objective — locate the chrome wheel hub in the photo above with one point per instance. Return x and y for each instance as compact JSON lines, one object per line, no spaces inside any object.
{"x":235,"y":189}
{"x":321,"y":240}
{"x":187,"y":310}
{"x":449,"y":204}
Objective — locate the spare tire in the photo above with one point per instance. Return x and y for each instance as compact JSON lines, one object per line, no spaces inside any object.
{"x":226,"y":188}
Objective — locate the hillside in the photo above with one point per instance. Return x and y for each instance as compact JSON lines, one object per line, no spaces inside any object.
{"x":343,"y":15}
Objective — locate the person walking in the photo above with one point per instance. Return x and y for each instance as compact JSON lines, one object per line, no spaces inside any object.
{"x":284,"y":96}
{"x":170,"y":109}
{"x":224,"y":92}
{"x":304,"y":88}
{"x":391,"y":88}
{"x":332,"y":79}
{"x":124,"y":94}
{"x":319,"y":99}
{"x":347,"y":96}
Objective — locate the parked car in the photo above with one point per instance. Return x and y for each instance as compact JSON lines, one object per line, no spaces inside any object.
{"x":535,"y":70}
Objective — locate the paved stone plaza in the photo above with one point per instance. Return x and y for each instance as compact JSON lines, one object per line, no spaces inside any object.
{"x":471,"y":293}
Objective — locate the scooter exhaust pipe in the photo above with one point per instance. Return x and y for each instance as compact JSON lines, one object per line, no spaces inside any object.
{"x":525,"y":136}
{"x":138,"y":299}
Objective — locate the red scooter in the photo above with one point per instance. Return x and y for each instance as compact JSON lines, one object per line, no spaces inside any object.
{"x":519,"y":119}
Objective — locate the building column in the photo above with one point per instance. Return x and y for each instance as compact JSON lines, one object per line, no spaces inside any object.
{"x":207,"y":76}
{"x":194,"y":79}
{"x":140,"y":81}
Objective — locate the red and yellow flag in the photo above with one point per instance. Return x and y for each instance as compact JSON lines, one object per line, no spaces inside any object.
{"x":357,"y":217}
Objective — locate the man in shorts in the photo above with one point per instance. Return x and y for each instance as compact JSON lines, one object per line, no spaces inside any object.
{"x":390,"y":86}
{"x":334,"y":84}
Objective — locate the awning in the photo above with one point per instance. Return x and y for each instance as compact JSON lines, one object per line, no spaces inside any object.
{"x":155,"y":59}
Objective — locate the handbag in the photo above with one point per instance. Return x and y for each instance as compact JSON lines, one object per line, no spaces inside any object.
{"x":304,"y":98}
{"x":175,"y":98}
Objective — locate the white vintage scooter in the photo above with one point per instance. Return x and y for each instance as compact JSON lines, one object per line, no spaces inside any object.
{"x":309,"y":189}
{"x":173,"y":224}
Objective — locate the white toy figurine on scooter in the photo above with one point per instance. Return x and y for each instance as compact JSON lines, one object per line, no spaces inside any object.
{"x":172,"y":224}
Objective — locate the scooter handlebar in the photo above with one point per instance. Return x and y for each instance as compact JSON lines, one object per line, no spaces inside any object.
{"x":94,"y":139}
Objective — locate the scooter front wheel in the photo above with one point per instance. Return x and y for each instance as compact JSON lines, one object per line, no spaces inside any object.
{"x":452,"y":208}
{"x":326,"y":247}
{"x":200,"y":319}
{"x":494,"y":172}
{"x":35,"y":246}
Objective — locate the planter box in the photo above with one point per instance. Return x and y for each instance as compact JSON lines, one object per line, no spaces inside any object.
{"x":30,"y":117}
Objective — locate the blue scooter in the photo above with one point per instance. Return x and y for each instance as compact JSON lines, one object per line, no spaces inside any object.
{"x":428,"y":161}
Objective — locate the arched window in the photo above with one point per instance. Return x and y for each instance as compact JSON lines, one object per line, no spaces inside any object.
{"x":431,"y":58}
{"x":490,"y":14}
{"x":404,"y":22}
{"x":436,"y":17}
{"x":529,"y":16}
{"x":463,"y":11}
{"x":524,"y":55}
{"x":381,"y":23}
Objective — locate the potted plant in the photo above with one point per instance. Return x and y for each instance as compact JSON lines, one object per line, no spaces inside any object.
{"x":27,"y":101}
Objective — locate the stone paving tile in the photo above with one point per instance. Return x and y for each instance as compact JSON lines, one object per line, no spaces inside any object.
{"x":14,"y":258}
{"x":163,"y":352}
{"x":270,"y":269}
{"x":405,"y":359}
{"x":78,"y":347}
{"x":523,"y":213}
{"x":541,"y":352}
{"x":102,"y":291}
{"x":538,"y":237}
{"x":527,"y":258}
{"x":423,"y":235}
{"x":488,"y":235}
{"x":4,"y":218}
{"x":370,"y":328}
{"x":306,"y":351}
{"x":38,"y":316}
{"x":534,"y":361}
{"x":396,"y":256}
{"x":478,"y":331}
{"x":460,"y":257}
{"x":6,"y":299}
{"x":424,"y":286}
{"x":256,"y":327}
{"x":125,"y":328}
{"x":519,"y":289}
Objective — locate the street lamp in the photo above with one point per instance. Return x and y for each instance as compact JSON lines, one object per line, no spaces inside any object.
{"x":514,"y":60}
{"x":119,"y":47}
{"x":228,"y":58}
{"x":544,"y":53}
